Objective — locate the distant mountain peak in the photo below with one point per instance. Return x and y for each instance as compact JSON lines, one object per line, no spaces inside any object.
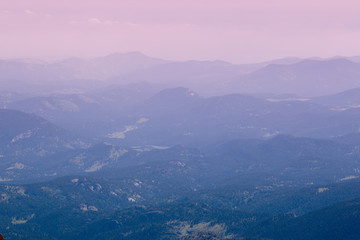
{"x":128,"y":56}
{"x":136,"y":53}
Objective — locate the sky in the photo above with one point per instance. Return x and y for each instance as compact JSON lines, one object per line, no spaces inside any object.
{"x":238,"y":31}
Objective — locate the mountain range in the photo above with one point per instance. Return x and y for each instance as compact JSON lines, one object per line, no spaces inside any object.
{"x":304,"y":77}
{"x":128,"y":146}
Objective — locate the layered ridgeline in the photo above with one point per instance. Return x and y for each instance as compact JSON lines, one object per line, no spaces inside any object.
{"x":304,"y":77}
{"x":180,"y":116}
{"x":130,"y":101}
{"x":26,"y":75}
{"x":309,"y":77}
{"x":34,"y":149}
{"x":130,"y":155}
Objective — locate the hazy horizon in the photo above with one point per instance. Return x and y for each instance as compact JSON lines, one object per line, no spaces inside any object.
{"x":59,"y":59}
{"x":238,"y":32}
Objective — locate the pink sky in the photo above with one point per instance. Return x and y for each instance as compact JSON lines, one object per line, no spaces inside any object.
{"x":239,"y":31}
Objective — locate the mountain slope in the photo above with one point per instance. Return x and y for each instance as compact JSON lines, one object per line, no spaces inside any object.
{"x":306,"y":78}
{"x":180,"y":116}
{"x":26,"y":140}
{"x":341,"y":101}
